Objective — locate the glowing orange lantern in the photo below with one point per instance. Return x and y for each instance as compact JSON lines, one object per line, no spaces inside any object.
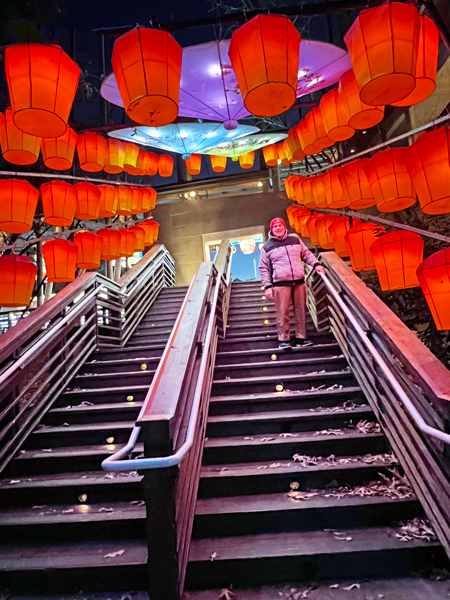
{"x":165,"y":165}
{"x":151,"y":232}
{"x":291,"y":212}
{"x":141,"y":164}
{"x":306,"y":138}
{"x":89,"y":249}
{"x":140,"y":238}
{"x":114,"y":157}
{"x":148,"y":199}
{"x":136,"y":205}
{"x":92,"y":149}
{"x":311,"y":224}
{"x":194,"y":164}
{"x":361,"y":116}
{"x":127,"y":242}
{"x":124,"y":200}
{"x":297,"y":189}
{"x":390,"y":181}
{"x":18,"y":147}
{"x":428,"y":163}
{"x":308,"y":199}
{"x":246,"y":160}
{"x":359,"y":239}
{"x":397,"y":256}
{"x":17,"y":280}
{"x":336,"y":117}
{"x":434,"y":279}
{"x":152,"y":164}
{"x":147,"y":66}
{"x":18,"y":202}
{"x":131,"y":156}
{"x":247,"y":246}
{"x":60,"y":257}
{"x":42,"y":81}
{"x":323,"y":233}
{"x":302,"y":220}
{"x":218,"y":163}
{"x":289,"y":186}
{"x":333,"y":189}
{"x":355,"y":185}
{"x":270,"y":154}
{"x":58,"y":152}
{"x":108,"y":200}
{"x":338,"y":230}
{"x":59,"y":201}
{"x":111,"y":244}
{"x":383,"y":45}
{"x":88,"y":201}
{"x":264,"y":54}
{"x":284,"y":153}
{"x":293,"y":145}
{"x":316,"y":126}
{"x":155,"y":230}
{"x":318,"y":191}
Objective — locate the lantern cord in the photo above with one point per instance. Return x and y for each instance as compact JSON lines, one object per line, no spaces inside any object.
{"x":62,"y":234}
{"x":437,"y":121}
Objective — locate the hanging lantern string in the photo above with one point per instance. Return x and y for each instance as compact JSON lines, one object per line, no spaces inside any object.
{"x":72,"y":177}
{"x":61,"y":234}
{"x":382,"y":145}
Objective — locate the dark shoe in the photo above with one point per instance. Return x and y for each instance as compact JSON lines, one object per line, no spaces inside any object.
{"x":302,"y":342}
{"x":284,"y":346}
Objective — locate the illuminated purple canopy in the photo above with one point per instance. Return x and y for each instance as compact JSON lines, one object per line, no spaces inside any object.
{"x":209,"y":88}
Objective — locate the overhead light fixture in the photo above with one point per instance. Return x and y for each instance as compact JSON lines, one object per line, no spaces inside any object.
{"x":192,"y":194}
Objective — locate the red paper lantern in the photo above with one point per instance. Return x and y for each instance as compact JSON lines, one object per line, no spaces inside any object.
{"x":318,"y":191}
{"x":131,"y":156}
{"x":165,"y":165}
{"x":293,"y":145}
{"x":390,"y":181}
{"x":218,"y":163}
{"x":127,"y":242}
{"x":428,"y":163}
{"x":297,"y":189}
{"x":136,"y":205}
{"x":88,"y":201}
{"x":141,"y":164}
{"x":306,"y":138}
{"x":397,"y":256}
{"x":289,"y":186}
{"x":311,"y":224}
{"x":308,"y":199}
{"x":89,"y":249}
{"x":383,"y":45}
{"x":60,"y":257}
{"x":336,"y":117}
{"x":194,"y":164}
{"x":284,"y":154}
{"x":264,"y":54}
{"x":124,"y":200}
{"x":147,"y":66}
{"x":59,"y":201}
{"x":92,"y":149}
{"x":323,"y":232}
{"x":18,"y":147}
{"x":246,"y":160}
{"x":42,"y":82}
{"x":111,"y":244}
{"x":148,"y":199}
{"x":355,"y":185}
{"x":114,"y":157}
{"x":291,"y":212}
{"x":361,"y":116}
{"x":140,"y":238}
{"x":18,"y":202}
{"x":302,"y":220}
{"x":151,"y":229}
{"x":333,"y":189}
{"x":316,"y":126}
{"x":109,"y":200}
{"x":338,"y":230}
{"x":152,"y":164}
{"x":434,"y":279}
{"x":270,"y":154}
{"x":58,"y":152}
{"x":17,"y":280}
{"x":359,"y":239}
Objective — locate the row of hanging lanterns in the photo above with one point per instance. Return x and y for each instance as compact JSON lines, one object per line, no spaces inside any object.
{"x":218,"y":163}
{"x":62,"y":202}
{"x":62,"y":257}
{"x":397,"y":256}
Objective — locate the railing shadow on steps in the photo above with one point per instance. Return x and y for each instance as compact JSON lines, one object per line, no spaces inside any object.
{"x":42,"y":353}
{"x":172,"y":425}
{"x":407,"y":387}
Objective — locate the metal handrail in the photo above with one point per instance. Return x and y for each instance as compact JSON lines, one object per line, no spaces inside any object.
{"x":413,"y":412}
{"x":114,"y":462}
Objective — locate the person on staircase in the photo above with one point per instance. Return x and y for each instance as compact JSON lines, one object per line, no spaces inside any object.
{"x":283,"y":279}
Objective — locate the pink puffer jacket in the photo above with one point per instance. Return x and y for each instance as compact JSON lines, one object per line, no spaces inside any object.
{"x":281,"y":261}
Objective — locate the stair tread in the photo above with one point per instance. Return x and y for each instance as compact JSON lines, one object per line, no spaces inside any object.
{"x":287,"y":377}
{"x":124,"y":349}
{"x":268,"y":364}
{"x":74,"y":451}
{"x":117,"y":406}
{"x":281,"y":396}
{"x":303,"y":544}
{"x":262,"y":503}
{"x":287,"y":414}
{"x":120,"y":388}
{"x":83,"y":376}
{"x":276,"y":350}
{"x":279,"y":439}
{"x":82,"y":478}
{"x":271,"y":468}
{"x":122,"y":361}
{"x":34,"y":557}
{"x":85,"y":427}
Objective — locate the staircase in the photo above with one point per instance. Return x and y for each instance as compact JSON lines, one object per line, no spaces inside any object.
{"x":298,"y":481}
{"x":64,"y":523}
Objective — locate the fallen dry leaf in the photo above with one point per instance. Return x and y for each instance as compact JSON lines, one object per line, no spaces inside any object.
{"x":274,"y":465}
{"x":288,"y":435}
{"x":114,"y":554}
{"x":226,"y":594}
{"x":302,"y":495}
{"x":267,"y":439}
{"x":334,"y":586}
{"x":69,"y":510}
{"x":353,"y":586}
{"x":213,"y":556}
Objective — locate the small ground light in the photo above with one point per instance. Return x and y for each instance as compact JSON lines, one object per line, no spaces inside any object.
{"x":260,"y":183}
{"x":82,"y":498}
{"x":130,"y":398}
{"x":279,"y":387}
{"x":264,"y":307}
{"x":263,"y":297}
{"x":110,"y":440}
{"x":266,"y":322}
{"x":143,"y":367}
{"x":192,"y":194}
{"x":274,"y":357}
{"x":262,"y":287}
{"x":352,"y":150}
